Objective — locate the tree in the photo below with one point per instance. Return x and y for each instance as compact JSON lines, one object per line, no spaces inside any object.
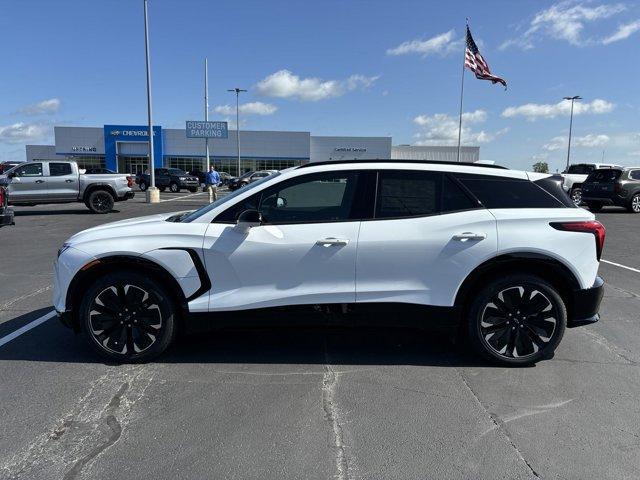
{"x":541,"y":167}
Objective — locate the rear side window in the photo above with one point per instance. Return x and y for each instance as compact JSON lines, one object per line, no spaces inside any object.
{"x":634,"y":174}
{"x":412,"y":193}
{"x":59,"y":169}
{"x":498,"y":192}
{"x":605,"y":175}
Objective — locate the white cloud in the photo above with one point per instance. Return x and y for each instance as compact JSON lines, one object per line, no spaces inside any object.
{"x":49,"y":106}
{"x":440,"y":44}
{"x":564,"y":21}
{"x":284,"y":84}
{"x":442,"y":129}
{"x":23,"y":132}
{"x":624,"y":31}
{"x":533,"y":111}
{"x":251,"y":108}
{"x":588,"y":141}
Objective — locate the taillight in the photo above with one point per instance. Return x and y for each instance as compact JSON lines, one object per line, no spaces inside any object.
{"x":591,"y":226}
{"x":129,"y":181}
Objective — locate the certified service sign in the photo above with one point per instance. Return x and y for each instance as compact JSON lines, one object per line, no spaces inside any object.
{"x":198,"y":129}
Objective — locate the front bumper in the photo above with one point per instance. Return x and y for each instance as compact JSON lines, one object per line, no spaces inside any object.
{"x":585,"y":304}
{"x":6,"y":216}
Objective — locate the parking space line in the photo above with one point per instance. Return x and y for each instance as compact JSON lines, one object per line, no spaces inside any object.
{"x":25,"y":328}
{"x":184,"y":196}
{"x":621,"y":266}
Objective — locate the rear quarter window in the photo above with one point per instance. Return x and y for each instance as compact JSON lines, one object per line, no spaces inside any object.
{"x":500,"y":192}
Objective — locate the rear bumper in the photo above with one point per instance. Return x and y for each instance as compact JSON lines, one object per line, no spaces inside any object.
{"x":127,"y":196}
{"x":6,"y":216}
{"x":608,"y":200}
{"x":585,"y":305}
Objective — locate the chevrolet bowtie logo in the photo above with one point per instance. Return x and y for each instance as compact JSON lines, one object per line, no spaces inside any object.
{"x":115,"y":133}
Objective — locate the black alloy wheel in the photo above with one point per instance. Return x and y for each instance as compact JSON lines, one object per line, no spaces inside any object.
{"x":517,"y":321}
{"x":142,"y":186}
{"x":127,"y":318}
{"x":174,"y":187}
{"x":100,"y":201}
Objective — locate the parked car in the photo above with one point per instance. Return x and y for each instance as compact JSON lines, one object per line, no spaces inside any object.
{"x":248,"y":178}
{"x":4,"y":166}
{"x":6,"y":212}
{"x":99,"y":171}
{"x":575,"y":176}
{"x":34,"y":183}
{"x":369,"y":233}
{"x":172,"y":178}
{"x":613,"y":186}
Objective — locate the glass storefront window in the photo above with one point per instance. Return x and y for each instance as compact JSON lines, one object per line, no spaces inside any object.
{"x":87,"y":161}
{"x":229,"y":165}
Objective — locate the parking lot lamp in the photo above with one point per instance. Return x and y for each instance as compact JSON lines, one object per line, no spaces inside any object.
{"x":573,"y":99}
{"x":153,"y":194}
{"x":237,"y":92}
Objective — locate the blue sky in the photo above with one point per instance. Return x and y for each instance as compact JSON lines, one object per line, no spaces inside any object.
{"x":333,"y":68}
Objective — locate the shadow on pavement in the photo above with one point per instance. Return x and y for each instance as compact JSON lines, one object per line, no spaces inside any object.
{"x":263,"y":344}
{"x":79,"y":211}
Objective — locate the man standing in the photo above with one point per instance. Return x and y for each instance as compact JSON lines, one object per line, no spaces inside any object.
{"x":212,"y":180}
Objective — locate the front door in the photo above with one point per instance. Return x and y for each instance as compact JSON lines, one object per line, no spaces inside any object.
{"x":426,"y":236}
{"x":28,"y":185}
{"x":62,"y":182}
{"x":303,"y":253}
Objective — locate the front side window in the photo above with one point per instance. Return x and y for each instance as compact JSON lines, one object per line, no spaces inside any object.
{"x":30,"y":170}
{"x":315,"y":198}
{"x":59,"y":169}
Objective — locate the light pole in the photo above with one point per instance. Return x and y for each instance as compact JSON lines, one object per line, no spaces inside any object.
{"x":573,"y":99}
{"x":153,"y":194}
{"x":206,"y":110}
{"x":237,"y":92}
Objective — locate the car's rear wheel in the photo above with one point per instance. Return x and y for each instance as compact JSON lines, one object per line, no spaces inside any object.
{"x":142,"y":186}
{"x":594,"y":206}
{"x":517,"y":320}
{"x":576,"y":196}
{"x":634,"y":204}
{"x":174,"y":187}
{"x":127,"y":317}
{"x":100,"y":201}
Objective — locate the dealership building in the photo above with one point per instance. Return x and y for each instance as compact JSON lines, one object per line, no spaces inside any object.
{"x":124,"y":148}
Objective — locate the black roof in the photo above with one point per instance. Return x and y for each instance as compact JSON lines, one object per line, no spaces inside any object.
{"x":380,"y":160}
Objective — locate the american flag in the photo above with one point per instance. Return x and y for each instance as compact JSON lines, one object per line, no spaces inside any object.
{"x":477,"y":64}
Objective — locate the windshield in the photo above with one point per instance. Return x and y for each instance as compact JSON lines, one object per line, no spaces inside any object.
{"x":11,"y":169}
{"x":581,"y":169}
{"x":207,"y":208}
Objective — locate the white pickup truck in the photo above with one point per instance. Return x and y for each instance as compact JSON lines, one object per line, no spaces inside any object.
{"x":576,"y":174}
{"x":33,"y":183}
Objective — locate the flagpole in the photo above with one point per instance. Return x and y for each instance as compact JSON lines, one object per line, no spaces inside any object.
{"x":462,"y":91}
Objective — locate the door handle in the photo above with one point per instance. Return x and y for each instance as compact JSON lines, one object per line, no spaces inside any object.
{"x":39,"y":181}
{"x":331,"y":241}
{"x":466,"y":236}
{"x":69,"y":181}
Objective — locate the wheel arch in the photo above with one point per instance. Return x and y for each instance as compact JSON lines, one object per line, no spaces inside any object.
{"x":546,"y":267}
{"x":100,"y":186}
{"x":95,"y":268}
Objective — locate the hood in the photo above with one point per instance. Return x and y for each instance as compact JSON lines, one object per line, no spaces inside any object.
{"x":120,"y":228}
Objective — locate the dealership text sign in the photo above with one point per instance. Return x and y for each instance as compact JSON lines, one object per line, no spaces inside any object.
{"x":196,"y":129}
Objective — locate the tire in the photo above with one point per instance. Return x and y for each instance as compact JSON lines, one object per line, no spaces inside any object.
{"x":501,"y":306}
{"x":117,"y":311}
{"x":634,"y":204}
{"x":142,"y":186}
{"x":594,"y":206}
{"x":576,"y":196}
{"x":174,"y":187}
{"x":100,"y":202}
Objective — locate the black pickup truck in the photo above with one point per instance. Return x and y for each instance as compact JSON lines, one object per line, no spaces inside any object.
{"x":172,"y":178}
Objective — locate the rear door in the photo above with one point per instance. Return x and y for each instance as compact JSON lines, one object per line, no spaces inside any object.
{"x":62,"y":182}
{"x":28,"y":184}
{"x":426,"y":235}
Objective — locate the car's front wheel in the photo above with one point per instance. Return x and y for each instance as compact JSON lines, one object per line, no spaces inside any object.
{"x":517,"y":320}
{"x":174,"y":187}
{"x":634,"y":204}
{"x":127,"y":317}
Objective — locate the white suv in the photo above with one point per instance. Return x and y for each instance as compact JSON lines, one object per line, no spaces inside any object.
{"x":504,"y":254}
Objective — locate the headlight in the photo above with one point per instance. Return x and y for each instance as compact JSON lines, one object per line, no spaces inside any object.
{"x":63,"y":248}
{"x":183,"y":178}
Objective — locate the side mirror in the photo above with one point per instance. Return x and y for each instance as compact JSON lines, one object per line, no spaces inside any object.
{"x":248,"y":219}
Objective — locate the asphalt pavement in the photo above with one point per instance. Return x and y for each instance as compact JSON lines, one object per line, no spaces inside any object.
{"x":306,"y":403}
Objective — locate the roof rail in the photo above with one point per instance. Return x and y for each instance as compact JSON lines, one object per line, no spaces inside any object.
{"x":389,"y":160}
